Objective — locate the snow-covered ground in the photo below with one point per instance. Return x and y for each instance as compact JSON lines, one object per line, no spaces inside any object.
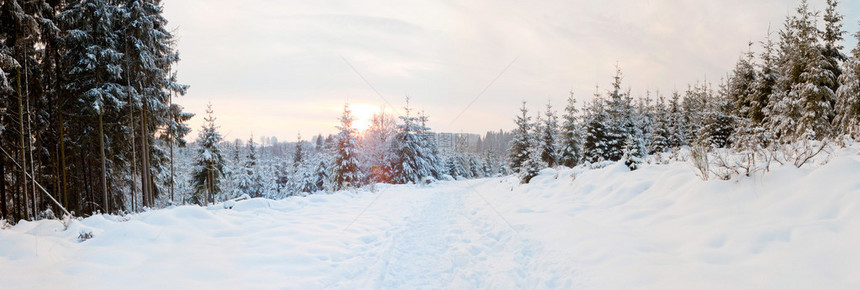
{"x":659,"y":227}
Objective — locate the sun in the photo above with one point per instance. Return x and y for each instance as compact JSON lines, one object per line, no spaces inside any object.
{"x":363,"y":114}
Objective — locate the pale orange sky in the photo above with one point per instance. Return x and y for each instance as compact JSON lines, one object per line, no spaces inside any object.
{"x":276,"y":68}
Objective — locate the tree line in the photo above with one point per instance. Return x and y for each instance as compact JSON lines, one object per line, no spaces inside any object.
{"x":798,"y":90}
{"x":86,"y":114}
{"x":398,"y":150}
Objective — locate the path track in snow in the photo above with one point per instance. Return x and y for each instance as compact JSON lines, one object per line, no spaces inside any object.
{"x":454,"y":239}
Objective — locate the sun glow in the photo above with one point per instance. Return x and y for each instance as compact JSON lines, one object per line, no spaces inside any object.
{"x":363,"y":114}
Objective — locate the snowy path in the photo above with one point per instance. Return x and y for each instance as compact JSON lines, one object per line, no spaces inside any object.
{"x":452,"y":240}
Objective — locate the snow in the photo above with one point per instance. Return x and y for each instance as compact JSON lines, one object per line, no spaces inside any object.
{"x":657,"y":227}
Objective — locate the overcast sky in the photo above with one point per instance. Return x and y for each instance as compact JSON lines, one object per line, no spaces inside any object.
{"x":277,"y":68}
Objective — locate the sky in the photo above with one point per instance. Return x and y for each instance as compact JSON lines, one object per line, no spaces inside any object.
{"x":282,"y":68}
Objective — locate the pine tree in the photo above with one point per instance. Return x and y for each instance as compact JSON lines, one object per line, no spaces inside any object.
{"x":719,"y":121}
{"x":415,"y":156}
{"x":765,"y":82}
{"x":618,"y":124}
{"x":633,"y":153}
{"x":250,"y":178}
{"x":831,"y":46}
{"x":518,"y":151}
{"x":595,"y":146}
{"x":678,"y":126}
{"x":802,"y":105}
{"x":209,"y":165}
{"x":476,"y":169}
{"x":533,"y":164}
{"x":571,"y":143}
{"x":345,"y":172}
{"x":548,"y":133}
{"x":661,"y":133}
{"x":455,"y":167}
{"x":741,"y":86}
{"x":848,"y":96}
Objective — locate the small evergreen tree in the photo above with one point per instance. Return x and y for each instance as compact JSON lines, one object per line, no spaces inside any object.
{"x":571,"y":143}
{"x":548,"y":133}
{"x":848,"y":96}
{"x":209,"y":165}
{"x":519,"y":148}
{"x":346,"y":172}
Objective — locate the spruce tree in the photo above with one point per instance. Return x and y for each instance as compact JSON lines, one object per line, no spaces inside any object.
{"x":532,"y":166}
{"x":848,"y":96}
{"x":250,"y":178}
{"x":415,"y":155}
{"x":741,"y":86}
{"x":802,"y":105}
{"x":345,"y":172}
{"x":548,"y":135}
{"x":209,"y":165}
{"x":765,"y":82}
{"x":518,"y":151}
{"x":618,"y":124}
{"x":661,"y":133}
{"x":595,"y":145}
{"x":571,"y":143}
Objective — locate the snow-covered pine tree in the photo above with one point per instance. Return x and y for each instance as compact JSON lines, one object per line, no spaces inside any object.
{"x":415,"y":157}
{"x":476,"y":170}
{"x":661,"y":133}
{"x":765,"y":82}
{"x":429,"y":150}
{"x":518,"y":151}
{"x":643,"y":118}
{"x":693,"y":106}
{"x":831,"y":44}
{"x":548,"y":135}
{"x":345,"y":169}
{"x":719,"y":118}
{"x":533,"y":164}
{"x":299,"y":155}
{"x":618,"y":124}
{"x":596,"y":126}
{"x":741,"y":85}
{"x":455,"y":167}
{"x":802,"y":105}
{"x":678,"y":127}
{"x":209,"y":165}
{"x":571,"y":142}
{"x":250,"y":180}
{"x":633,"y":153}
{"x":283,"y":174}
{"x":320,"y":175}
{"x":847,"y":117}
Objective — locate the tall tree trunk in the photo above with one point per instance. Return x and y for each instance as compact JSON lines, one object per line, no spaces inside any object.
{"x":144,"y":170}
{"x":58,"y":88}
{"x":133,"y":160}
{"x":131,"y":104}
{"x":64,"y":185}
{"x":103,"y":159}
{"x":23,"y":153}
{"x":4,"y":214}
{"x":170,"y":140}
{"x":30,"y":137}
